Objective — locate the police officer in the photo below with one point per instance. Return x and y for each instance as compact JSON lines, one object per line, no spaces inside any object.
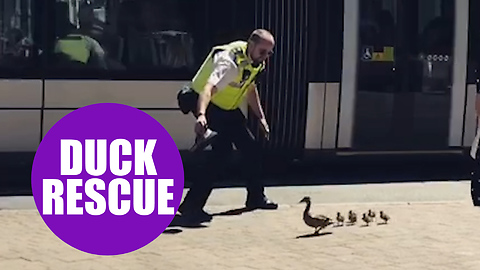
{"x":225,"y":79}
{"x":81,"y":51}
{"x":72,"y":48}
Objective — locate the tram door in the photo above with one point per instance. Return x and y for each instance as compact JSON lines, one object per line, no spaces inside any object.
{"x":404,"y":75}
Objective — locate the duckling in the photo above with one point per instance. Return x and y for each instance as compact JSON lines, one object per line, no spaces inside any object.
{"x":340,"y":218}
{"x":384,"y":216}
{"x":366,"y":218}
{"x":352,"y":217}
{"x":318,"y":222}
{"x":371,"y":214}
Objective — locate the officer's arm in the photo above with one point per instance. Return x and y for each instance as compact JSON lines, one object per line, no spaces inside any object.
{"x":205,"y":97}
{"x":477,"y":99}
{"x":224,"y":72}
{"x":253,"y":99}
{"x":477,"y":103}
{"x":97,"y":54}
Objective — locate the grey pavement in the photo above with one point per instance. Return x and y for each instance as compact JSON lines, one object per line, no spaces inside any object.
{"x":433,"y":226}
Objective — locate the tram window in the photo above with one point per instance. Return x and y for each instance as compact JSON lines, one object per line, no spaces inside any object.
{"x":17,"y":47}
{"x":377,"y":23}
{"x":436,"y":28}
{"x":122,"y":35}
{"x":377,"y":33}
{"x":158,"y":39}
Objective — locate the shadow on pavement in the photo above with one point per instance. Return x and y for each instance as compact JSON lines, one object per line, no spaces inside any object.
{"x":313,"y":235}
{"x":172,"y":231}
{"x":179,"y":222}
{"x":233,"y":212}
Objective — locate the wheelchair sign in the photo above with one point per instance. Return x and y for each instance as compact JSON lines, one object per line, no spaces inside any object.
{"x":367,"y":53}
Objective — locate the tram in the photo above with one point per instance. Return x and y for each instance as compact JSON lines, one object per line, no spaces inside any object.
{"x":347,"y":76}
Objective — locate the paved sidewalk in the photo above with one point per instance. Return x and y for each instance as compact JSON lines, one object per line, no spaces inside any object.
{"x":436,"y":232}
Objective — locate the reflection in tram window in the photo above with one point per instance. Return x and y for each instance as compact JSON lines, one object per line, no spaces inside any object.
{"x":16,"y":34}
{"x":404,"y":76}
{"x":436,"y":46}
{"x":76,"y":45}
{"x":155,"y":34}
{"x":161,"y":37}
{"x":430,"y":47}
{"x":377,"y":45}
{"x":377,"y":23}
{"x":128,"y":34}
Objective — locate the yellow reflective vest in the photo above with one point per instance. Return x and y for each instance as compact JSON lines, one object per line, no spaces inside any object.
{"x":232,"y":96}
{"x":75,"y":47}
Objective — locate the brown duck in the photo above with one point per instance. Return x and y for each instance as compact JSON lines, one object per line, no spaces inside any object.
{"x":352,"y":217}
{"x":384,"y":216}
{"x":367,"y":219}
{"x":318,"y":222}
{"x":371,"y":214}
{"x":340,"y":219}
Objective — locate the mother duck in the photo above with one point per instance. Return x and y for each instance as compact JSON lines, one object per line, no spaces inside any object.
{"x":318,"y":222}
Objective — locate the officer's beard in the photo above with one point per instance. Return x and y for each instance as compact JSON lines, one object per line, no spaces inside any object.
{"x":255,"y":62}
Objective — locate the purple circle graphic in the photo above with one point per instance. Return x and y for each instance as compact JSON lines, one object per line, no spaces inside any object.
{"x":107,"y":179}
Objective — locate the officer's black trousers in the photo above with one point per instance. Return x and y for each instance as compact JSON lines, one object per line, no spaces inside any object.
{"x":232,"y":128}
{"x":475,"y":181}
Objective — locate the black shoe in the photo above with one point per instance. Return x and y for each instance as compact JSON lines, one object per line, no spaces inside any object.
{"x":475,"y":197}
{"x":204,"y":141}
{"x":475,"y":189}
{"x":263,"y":203}
{"x":196,"y":217}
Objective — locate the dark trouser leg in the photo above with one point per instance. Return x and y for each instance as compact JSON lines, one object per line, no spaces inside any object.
{"x":198,"y":194}
{"x":215,"y":169}
{"x":251,"y":159}
{"x":475,"y":181}
{"x":252,"y":168}
{"x":475,"y":185}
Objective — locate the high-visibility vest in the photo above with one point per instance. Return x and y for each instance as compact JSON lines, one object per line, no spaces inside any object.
{"x":232,"y":96}
{"x":75,"y":47}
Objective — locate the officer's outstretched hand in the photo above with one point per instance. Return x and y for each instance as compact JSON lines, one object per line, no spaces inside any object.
{"x":265,"y":128}
{"x":201,"y":125}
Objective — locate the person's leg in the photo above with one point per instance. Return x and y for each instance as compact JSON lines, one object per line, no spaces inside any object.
{"x":475,"y":178}
{"x":199,"y":192}
{"x":196,"y":198}
{"x":252,"y":169}
{"x":475,"y":183}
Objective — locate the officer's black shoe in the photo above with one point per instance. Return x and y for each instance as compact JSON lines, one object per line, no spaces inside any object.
{"x":203,"y":141}
{"x":263,"y":203}
{"x":475,"y":197}
{"x":193,"y":215}
{"x":475,"y":189}
{"x":196,"y":217}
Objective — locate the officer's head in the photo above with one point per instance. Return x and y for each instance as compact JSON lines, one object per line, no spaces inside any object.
{"x":260,"y":45}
